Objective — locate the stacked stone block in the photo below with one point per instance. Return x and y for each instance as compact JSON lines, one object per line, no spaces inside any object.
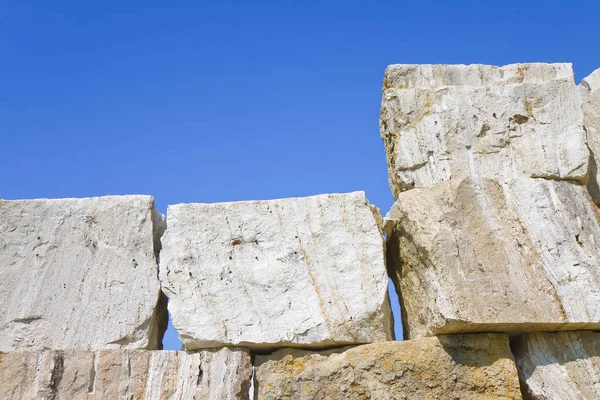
{"x":492,"y":243}
{"x":494,"y":228}
{"x":305,"y":272}
{"x":445,"y":367}
{"x":125,"y":374}
{"x":80,"y":274}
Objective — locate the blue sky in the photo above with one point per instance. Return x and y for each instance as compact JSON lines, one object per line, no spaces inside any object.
{"x":204,"y":102}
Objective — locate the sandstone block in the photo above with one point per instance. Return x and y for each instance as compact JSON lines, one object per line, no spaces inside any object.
{"x":561,"y":366}
{"x":125,"y":374}
{"x":80,"y":274}
{"x":446,"y":367}
{"x":590,"y":91}
{"x":443,"y":121}
{"x":480,"y":255}
{"x":264,"y":274}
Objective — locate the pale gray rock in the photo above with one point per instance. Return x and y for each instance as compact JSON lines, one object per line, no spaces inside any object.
{"x":447,"y":367}
{"x":453,"y":121}
{"x":263,"y":274}
{"x":480,"y":255}
{"x":559,"y":366}
{"x":80,"y":274}
{"x":126,"y":374}
{"x":590,"y":91}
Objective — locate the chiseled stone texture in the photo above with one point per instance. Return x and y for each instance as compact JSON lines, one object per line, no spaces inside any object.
{"x":590,"y":91}
{"x":264,"y":274}
{"x":126,"y":374}
{"x":443,"y":121}
{"x":80,"y":274}
{"x":479,"y":255}
{"x":559,"y":366}
{"x":447,"y":367}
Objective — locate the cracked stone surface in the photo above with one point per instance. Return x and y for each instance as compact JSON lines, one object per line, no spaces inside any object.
{"x":126,"y":374}
{"x":479,"y":255}
{"x":590,"y":91}
{"x":80,"y":274}
{"x":453,"y":121}
{"x":559,"y":366}
{"x":447,"y":367}
{"x":265,"y":274}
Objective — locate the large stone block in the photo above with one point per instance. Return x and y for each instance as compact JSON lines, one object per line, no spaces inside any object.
{"x":125,"y":374}
{"x":263,"y":274}
{"x":479,"y":255}
{"x":80,"y":274}
{"x":452,"y":121}
{"x":446,"y":367}
{"x":590,"y":91}
{"x":559,"y":366}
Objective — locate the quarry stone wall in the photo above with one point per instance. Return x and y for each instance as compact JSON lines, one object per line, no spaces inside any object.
{"x":493,"y":245}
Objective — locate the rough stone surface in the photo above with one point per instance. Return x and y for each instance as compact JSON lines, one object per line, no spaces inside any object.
{"x":80,"y":274}
{"x":478,"y":255}
{"x":443,"y":121}
{"x":560,"y":366}
{"x":447,"y":367}
{"x":125,"y":374}
{"x":292,"y":272}
{"x":590,"y":91}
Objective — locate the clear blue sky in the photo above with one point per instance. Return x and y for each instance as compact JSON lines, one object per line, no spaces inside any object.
{"x":204,"y":102}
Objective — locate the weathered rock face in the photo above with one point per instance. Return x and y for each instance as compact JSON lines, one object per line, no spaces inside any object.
{"x":473,"y":255}
{"x":453,"y":121}
{"x":126,"y":374}
{"x":301,"y":271}
{"x":80,"y":274}
{"x":561,"y":366}
{"x":446,"y":367}
{"x":590,"y":91}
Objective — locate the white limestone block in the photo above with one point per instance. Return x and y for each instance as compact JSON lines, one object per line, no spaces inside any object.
{"x":454,"y":121}
{"x":80,"y":274}
{"x":263,"y":274}
{"x":484,"y":256}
